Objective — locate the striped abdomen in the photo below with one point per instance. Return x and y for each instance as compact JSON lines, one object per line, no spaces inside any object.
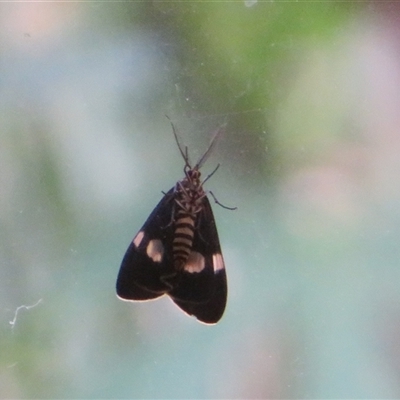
{"x":183,"y":238}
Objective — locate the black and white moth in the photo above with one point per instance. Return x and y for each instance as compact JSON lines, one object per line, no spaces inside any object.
{"x":177,"y":250}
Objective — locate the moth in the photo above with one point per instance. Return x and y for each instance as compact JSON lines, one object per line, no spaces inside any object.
{"x":177,"y":250}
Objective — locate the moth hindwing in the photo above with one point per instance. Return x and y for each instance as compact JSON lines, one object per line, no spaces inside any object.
{"x":177,"y":251}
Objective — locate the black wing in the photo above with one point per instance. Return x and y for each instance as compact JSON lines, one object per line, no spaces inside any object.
{"x":148,"y":258}
{"x":203,"y":294}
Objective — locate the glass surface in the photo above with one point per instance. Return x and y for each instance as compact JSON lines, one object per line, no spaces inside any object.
{"x":310,"y":156}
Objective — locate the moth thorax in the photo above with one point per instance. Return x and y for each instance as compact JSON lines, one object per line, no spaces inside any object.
{"x":183,"y":237}
{"x":189,"y":194}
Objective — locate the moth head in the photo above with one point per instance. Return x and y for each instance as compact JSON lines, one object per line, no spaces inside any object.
{"x":192,"y":181}
{"x":192,"y":174}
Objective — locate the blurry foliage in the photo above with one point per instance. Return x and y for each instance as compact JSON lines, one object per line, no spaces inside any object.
{"x":227,"y":59}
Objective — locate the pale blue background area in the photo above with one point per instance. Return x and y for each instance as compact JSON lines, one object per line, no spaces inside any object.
{"x":310,"y":156}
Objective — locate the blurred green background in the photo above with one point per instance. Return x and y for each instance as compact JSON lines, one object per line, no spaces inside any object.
{"x":310,"y":92}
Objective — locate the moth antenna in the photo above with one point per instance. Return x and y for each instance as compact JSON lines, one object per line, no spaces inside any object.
{"x":213,"y":142}
{"x":184,"y":154}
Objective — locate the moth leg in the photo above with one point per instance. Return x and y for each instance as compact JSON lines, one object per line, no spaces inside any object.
{"x":172,"y":213}
{"x":172,"y":221}
{"x":220,"y":204}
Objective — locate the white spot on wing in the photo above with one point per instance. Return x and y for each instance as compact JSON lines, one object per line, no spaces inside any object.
{"x":155,"y":250}
{"x":138,"y":239}
{"x":218,"y":262}
{"x":194,"y":263}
